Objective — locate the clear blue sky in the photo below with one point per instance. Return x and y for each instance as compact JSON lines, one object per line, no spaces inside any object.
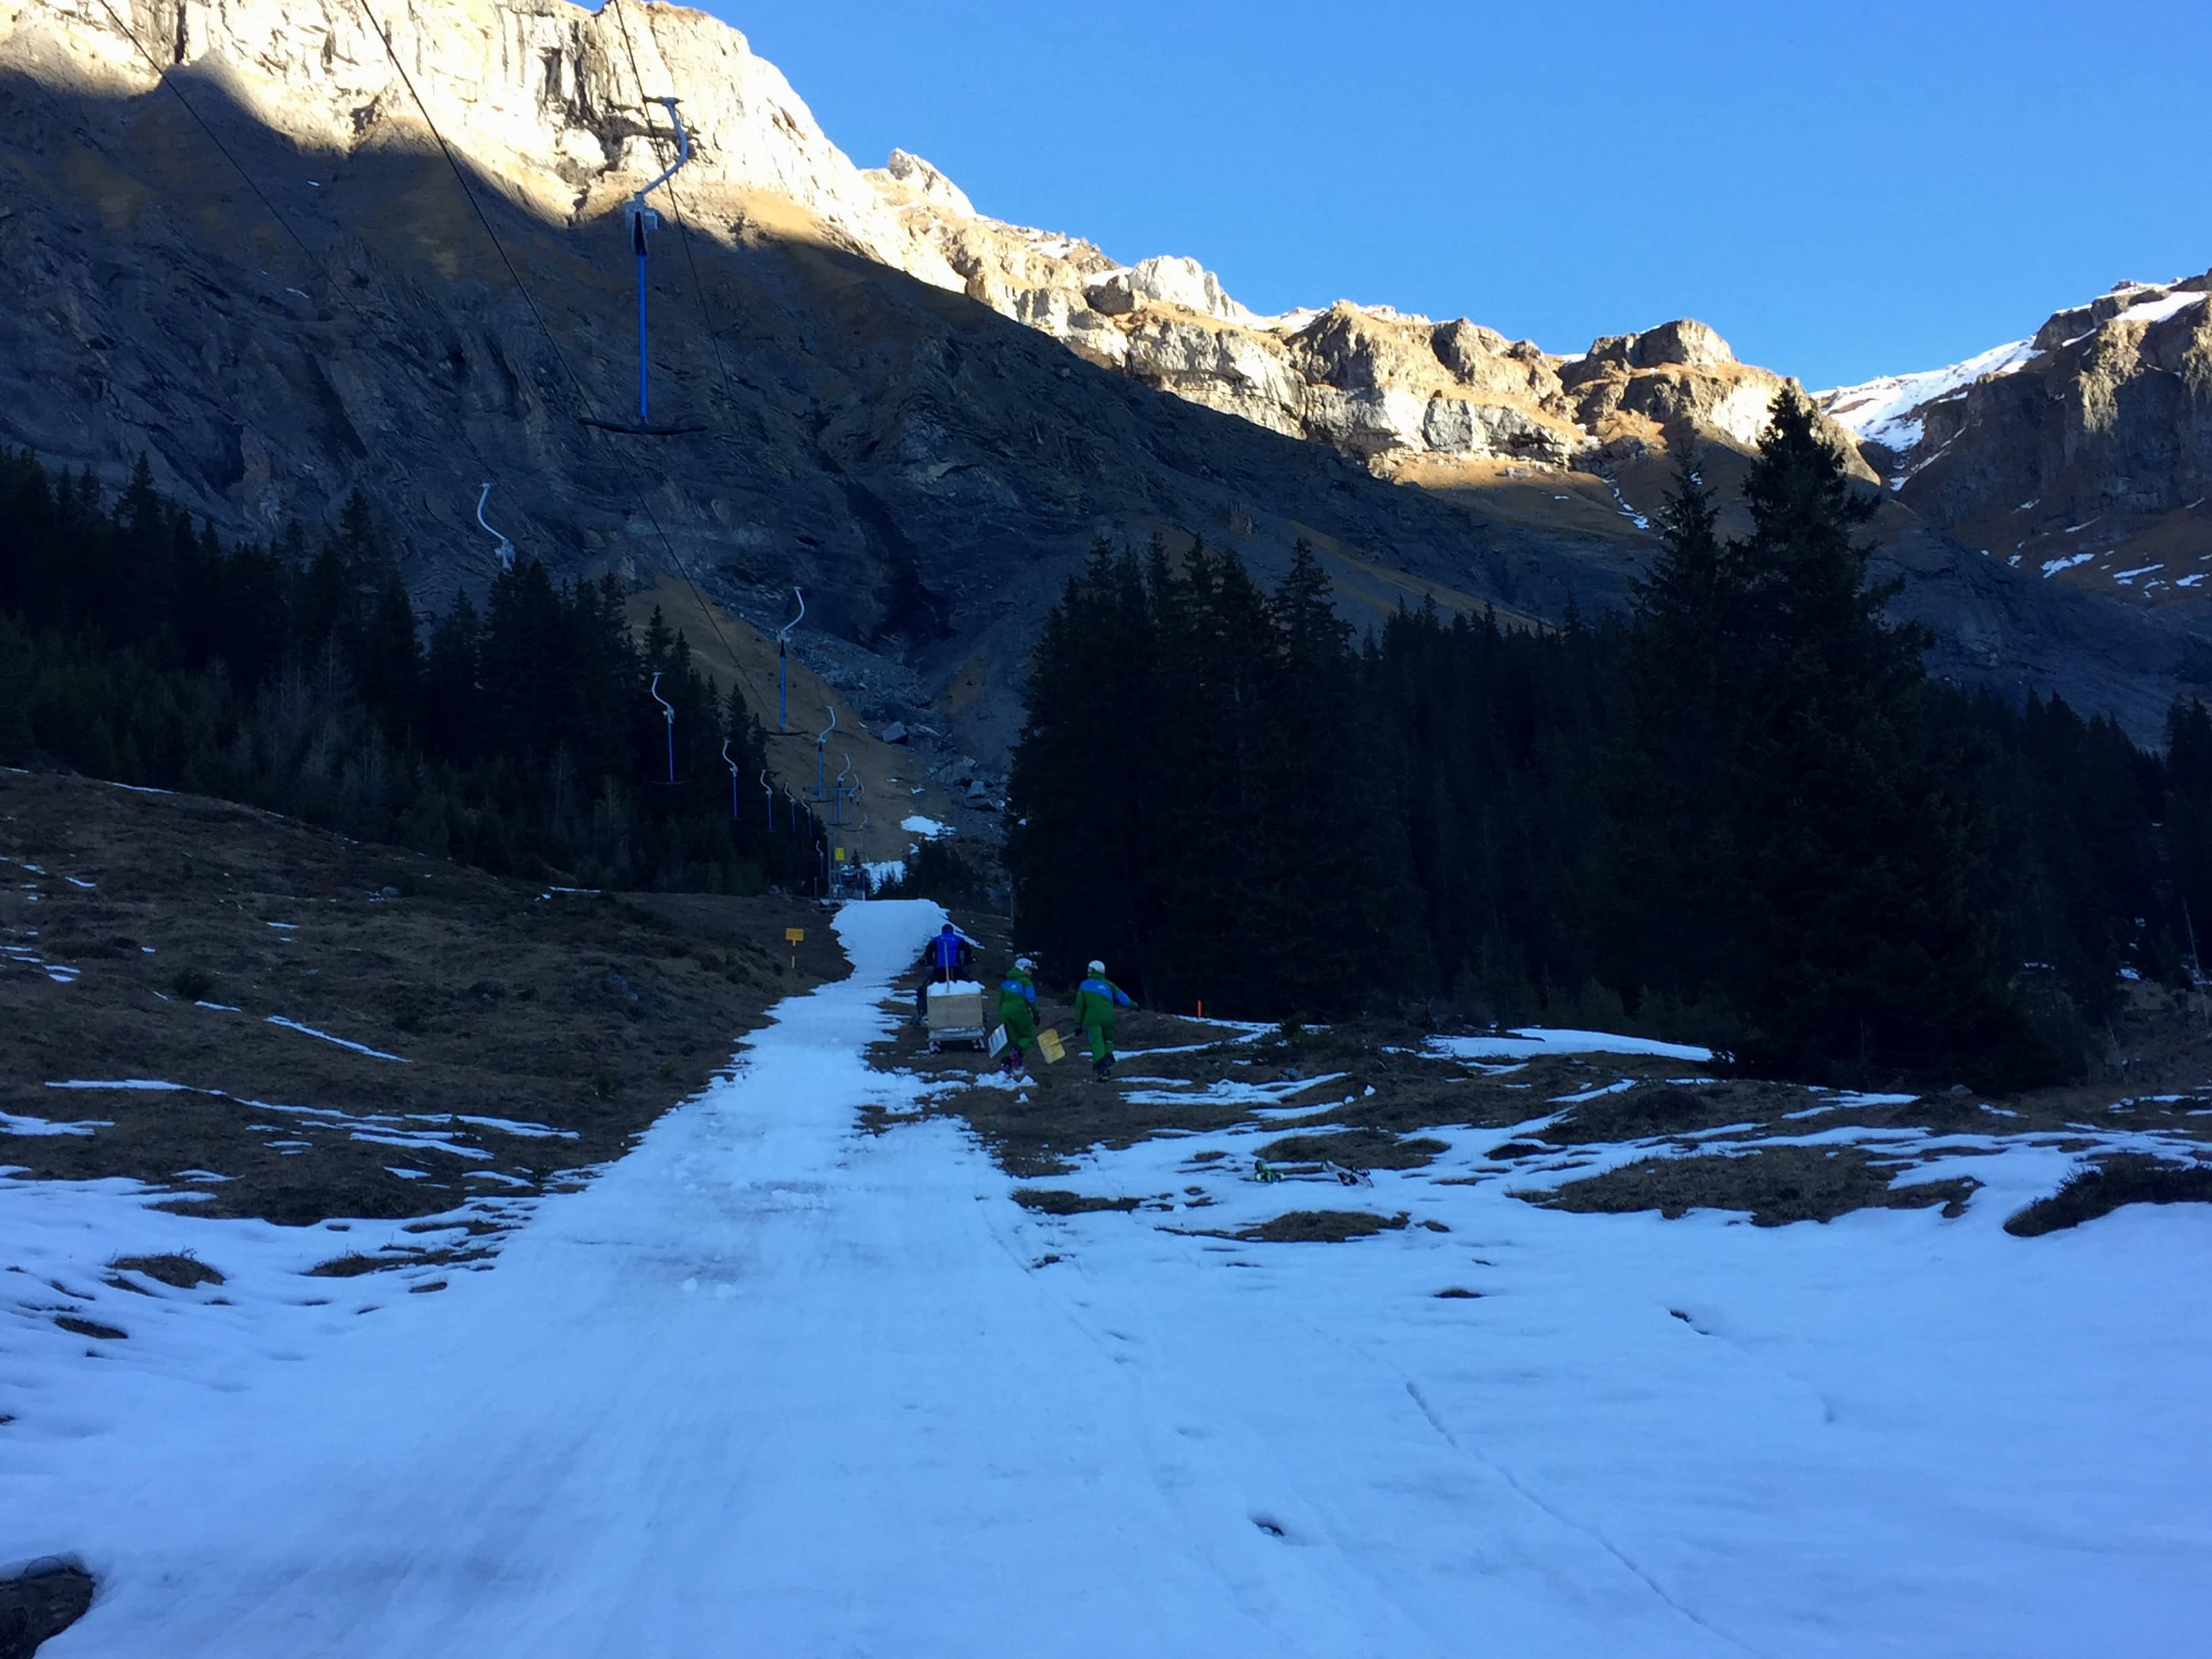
{"x":1841,"y":189}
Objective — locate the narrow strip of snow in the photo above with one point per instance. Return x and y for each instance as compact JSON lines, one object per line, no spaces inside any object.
{"x":16,"y":1124}
{"x":1536,"y":1040}
{"x":358,"y":1047}
{"x":145,"y":1083}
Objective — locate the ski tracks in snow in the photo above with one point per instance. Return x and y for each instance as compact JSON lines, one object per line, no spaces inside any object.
{"x":776,"y":1384}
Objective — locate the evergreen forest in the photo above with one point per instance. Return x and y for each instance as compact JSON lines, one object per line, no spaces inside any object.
{"x":524,"y":739}
{"x":1742,"y":814}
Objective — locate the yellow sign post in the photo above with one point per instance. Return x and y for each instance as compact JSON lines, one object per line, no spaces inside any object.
{"x":794,"y":937}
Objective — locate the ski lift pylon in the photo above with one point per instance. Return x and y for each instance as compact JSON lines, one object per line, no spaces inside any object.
{"x":837,"y":809}
{"x":668,"y":712}
{"x":783,"y":663}
{"x":821,"y":747}
{"x":643,"y":220}
{"x":505,"y":551}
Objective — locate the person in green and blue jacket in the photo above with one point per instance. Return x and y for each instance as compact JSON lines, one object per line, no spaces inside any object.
{"x":1018,"y":1013}
{"x":1097,"y":1000}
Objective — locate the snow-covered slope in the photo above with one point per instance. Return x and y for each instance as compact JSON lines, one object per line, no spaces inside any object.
{"x":2083,"y":453}
{"x":1887,"y":411}
{"x":777,"y":1384}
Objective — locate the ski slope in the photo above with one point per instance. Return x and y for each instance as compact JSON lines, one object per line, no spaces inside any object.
{"x":774,"y":1385}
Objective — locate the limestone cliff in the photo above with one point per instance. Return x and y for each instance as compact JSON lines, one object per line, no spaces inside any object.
{"x":1396,"y":392}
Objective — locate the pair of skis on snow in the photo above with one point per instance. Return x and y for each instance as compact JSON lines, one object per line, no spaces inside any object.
{"x":1322,"y":1169}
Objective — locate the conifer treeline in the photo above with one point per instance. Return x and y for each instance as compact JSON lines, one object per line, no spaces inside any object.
{"x":136,"y":648}
{"x":1743,"y":815}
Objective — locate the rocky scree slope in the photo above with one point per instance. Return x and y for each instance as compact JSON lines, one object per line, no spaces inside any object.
{"x":928,"y":467}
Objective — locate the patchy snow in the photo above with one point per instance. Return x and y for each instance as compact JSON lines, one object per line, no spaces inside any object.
{"x":2052,"y":567}
{"x":2127,"y":578}
{"x":776,"y":1374}
{"x":2158,"y":310}
{"x":1883,"y":411}
{"x":927,"y":828}
{"x":1536,"y":1040}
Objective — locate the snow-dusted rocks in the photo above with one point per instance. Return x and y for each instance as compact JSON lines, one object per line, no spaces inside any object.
{"x":2084,"y":452}
{"x":1387,"y":387}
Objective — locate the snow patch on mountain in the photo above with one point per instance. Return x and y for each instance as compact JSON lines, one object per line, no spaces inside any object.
{"x":1885,"y":410}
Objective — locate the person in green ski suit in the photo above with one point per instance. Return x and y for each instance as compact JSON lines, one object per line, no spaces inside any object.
{"x":1018,"y":1013}
{"x":1097,"y":1000}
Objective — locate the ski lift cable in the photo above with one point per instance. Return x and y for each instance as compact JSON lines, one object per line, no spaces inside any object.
{"x":529,"y":300}
{"x":161,"y":75}
{"x":675,"y":201}
{"x":643,"y":219}
{"x":560,"y":356}
{"x":467,"y":189}
{"x":246,"y":176}
{"x":713,"y":330}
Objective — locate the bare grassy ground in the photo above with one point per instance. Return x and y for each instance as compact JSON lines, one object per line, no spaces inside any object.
{"x":41,"y":1601}
{"x":532,"y":1034}
{"x":1364,"y":1095}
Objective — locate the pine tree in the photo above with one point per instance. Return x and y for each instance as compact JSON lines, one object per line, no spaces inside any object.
{"x":1867,"y":939}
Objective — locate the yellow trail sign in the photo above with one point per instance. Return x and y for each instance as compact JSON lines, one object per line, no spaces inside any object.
{"x":794,"y":937}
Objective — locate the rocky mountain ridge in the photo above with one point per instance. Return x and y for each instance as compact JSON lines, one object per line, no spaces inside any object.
{"x":2082,"y":453}
{"x":922,"y":416}
{"x":1393,"y":390}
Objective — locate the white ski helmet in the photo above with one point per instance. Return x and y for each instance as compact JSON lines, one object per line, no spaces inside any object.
{"x":1025,"y":964}
{"x":1097,"y":967}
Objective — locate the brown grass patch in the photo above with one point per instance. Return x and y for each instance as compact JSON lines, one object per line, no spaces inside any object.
{"x":2098,"y":1190}
{"x":91,"y":1328}
{"x":39,"y":1604}
{"x":590,"y":1014}
{"x":1777,"y":1184}
{"x":1321,"y":1227}
{"x":353,"y":1264}
{"x":182,"y":1272}
{"x":1356,"y":1148}
{"x":1053,"y":1201}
